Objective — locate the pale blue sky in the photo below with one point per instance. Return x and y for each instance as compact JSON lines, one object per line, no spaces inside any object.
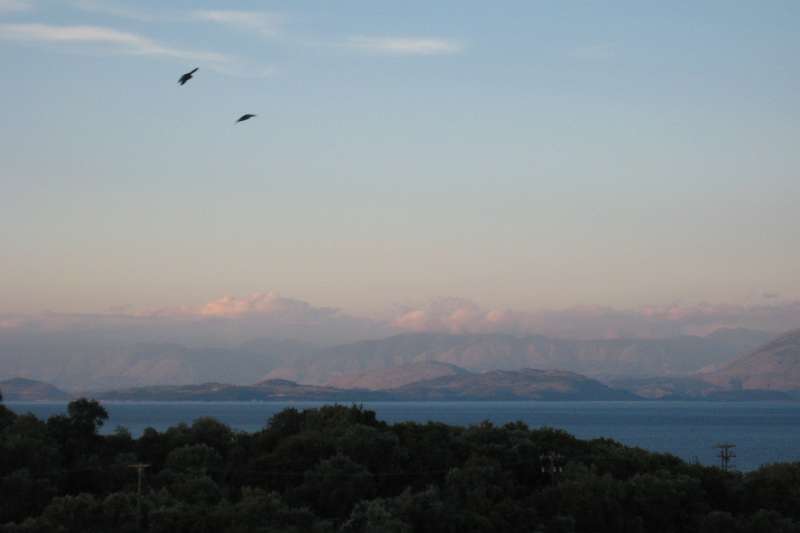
{"x":525,"y":154}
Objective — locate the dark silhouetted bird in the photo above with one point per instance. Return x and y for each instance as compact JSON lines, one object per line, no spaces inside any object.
{"x":248,"y":116}
{"x":186,"y":77}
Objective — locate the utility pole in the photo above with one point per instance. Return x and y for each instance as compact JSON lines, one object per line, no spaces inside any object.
{"x":551,"y":464}
{"x":140,"y":469}
{"x":725,"y":453}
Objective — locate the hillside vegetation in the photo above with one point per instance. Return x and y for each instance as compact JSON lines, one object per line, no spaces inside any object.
{"x":339,"y":469}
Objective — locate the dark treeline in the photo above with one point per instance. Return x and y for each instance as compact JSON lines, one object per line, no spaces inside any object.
{"x":340,"y":469}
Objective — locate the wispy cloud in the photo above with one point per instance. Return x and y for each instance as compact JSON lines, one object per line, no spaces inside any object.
{"x":267,"y":24}
{"x":424,"y":46}
{"x":105,"y":7}
{"x":122,"y":41}
{"x":261,"y":22}
{"x":270,"y":24}
{"x":114,"y":41}
{"x":594,"y":52}
{"x":13,"y":6}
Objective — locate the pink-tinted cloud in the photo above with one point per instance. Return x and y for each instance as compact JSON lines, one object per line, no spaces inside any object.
{"x":235,"y":319}
{"x":229,"y":320}
{"x":261,"y":302}
{"x":451,"y":315}
{"x":462,"y":316}
{"x":11,"y":322}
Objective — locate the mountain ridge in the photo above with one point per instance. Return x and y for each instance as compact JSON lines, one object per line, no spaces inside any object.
{"x":394,"y":377}
{"x":84,"y":363}
{"x":525,"y":384}
{"x":484,"y":352}
{"x":773,"y":366}
{"x":30,"y":390}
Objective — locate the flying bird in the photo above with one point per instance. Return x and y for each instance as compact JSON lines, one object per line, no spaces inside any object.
{"x":186,"y":77}
{"x":248,"y":116}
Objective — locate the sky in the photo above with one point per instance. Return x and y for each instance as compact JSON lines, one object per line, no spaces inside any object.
{"x":523,"y":156}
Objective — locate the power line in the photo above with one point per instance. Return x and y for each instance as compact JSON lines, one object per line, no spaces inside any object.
{"x":140,"y":469}
{"x":726,"y":454}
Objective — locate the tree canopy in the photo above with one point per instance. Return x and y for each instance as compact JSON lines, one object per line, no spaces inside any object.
{"x":340,"y":469}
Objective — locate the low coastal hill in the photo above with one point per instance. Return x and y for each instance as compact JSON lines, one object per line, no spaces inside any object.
{"x":526,"y":384}
{"x":29,"y":390}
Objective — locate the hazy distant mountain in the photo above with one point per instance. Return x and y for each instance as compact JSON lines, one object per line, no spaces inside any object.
{"x":524,"y":384}
{"x":773,"y":366}
{"x":392,"y":378}
{"x":741,"y":340}
{"x":480,"y":353}
{"x":691,"y":388}
{"x":86,"y":361}
{"x":28,"y":390}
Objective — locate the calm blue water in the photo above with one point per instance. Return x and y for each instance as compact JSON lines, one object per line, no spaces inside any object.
{"x":764,"y":432}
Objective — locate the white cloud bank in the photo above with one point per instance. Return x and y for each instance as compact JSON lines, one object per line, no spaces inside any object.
{"x":462,"y":316}
{"x":231,"y":320}
{"x":226,"y":321}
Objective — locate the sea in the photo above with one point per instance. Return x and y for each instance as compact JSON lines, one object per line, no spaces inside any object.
{"x":763,"y":432}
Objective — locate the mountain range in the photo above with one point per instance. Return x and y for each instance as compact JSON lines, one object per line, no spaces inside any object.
{"x":773,"y":366}
{"x":770,"y":372}
{"x":684,"y":366}
{"x":92,"y":362}
{"x":481,"y":353}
